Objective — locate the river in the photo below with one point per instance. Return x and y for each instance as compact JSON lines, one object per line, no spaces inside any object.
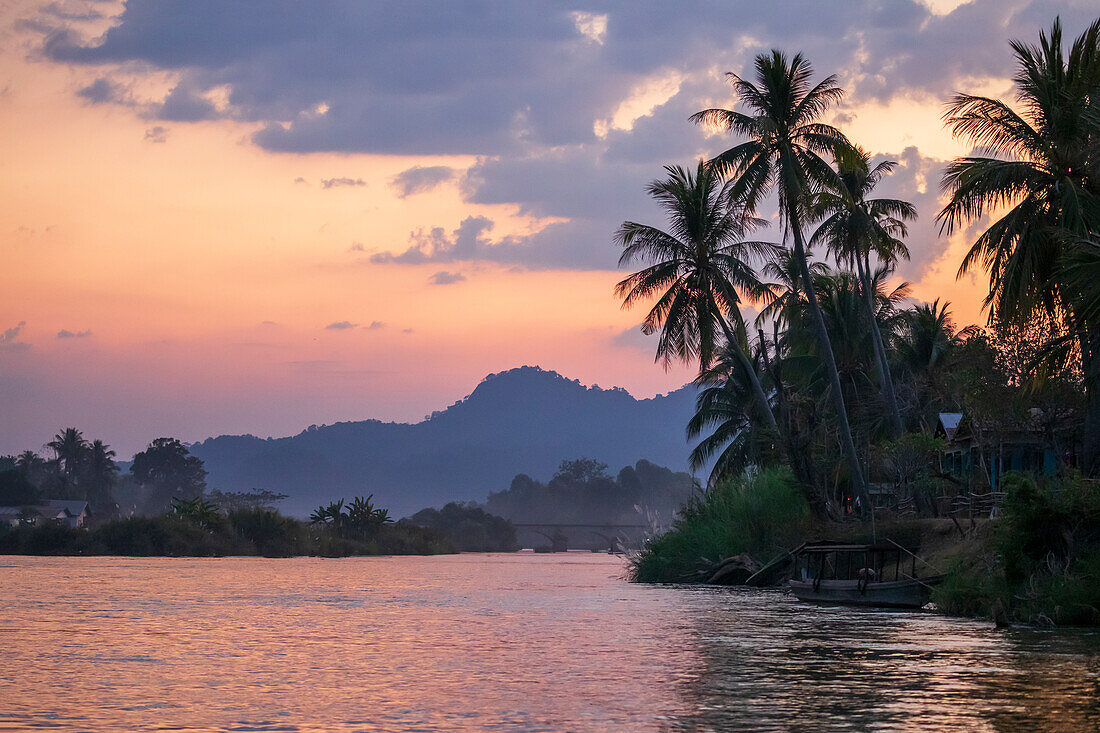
{"x":499,"y":642}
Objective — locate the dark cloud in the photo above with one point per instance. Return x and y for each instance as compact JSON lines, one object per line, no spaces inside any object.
{"x":103,"y":91}
{"x":341,"y":326}
{"x":357,"y":247}
{"x":9,"y":339}
{"x":533,"y":90}
{"x":917,"y":180}
{"x":157,"y":134}
{"x":420,"y":179}
{"x":67,"y":334}
{"x":299,"y":179}
{"x":375,"y":326}
{"x":183,"y":104}
{"x":446,"y":278}
{"x":327,"y":183}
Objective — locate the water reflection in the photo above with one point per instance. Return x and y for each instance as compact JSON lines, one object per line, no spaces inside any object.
{"x":507,"y":642}
{"x":771,"y":662}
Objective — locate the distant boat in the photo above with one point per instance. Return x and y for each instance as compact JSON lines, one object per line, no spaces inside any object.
{"x":882,"y":575}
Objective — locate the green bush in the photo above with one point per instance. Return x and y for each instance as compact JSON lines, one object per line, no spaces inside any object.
{"x":761,"y":514}
{"x":1044,"y":557}
{"x":270,"y":533}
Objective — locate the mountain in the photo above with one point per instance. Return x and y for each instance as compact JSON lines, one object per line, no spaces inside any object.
{"x":524,"y":420}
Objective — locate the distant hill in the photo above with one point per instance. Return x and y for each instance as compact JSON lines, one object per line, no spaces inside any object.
{"x":524,"y":420}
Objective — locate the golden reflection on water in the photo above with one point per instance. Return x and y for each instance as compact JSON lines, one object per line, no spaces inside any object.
{"x":506,"y":642}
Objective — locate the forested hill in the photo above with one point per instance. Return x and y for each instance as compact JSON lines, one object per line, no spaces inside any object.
{"x":525,"y":420}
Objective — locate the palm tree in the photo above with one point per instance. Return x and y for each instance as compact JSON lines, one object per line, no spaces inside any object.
{"x":71,"y":449}
{"x":28,"y":461}
{"x":100,"y":469}
{"x":1040,"y":167}
{"x":924,"y":348}
{"x":697,"y":271}
{"x":720,"y":406}
{"x":784,"y":149}
{"x":854,"y":227}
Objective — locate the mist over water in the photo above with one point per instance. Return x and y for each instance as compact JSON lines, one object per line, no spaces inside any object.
{"x":504,"y":642}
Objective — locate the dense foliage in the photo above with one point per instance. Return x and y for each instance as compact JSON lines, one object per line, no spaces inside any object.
{"x":1042,"y":562}
{"x":762,"y":514}
{"x":581,"y":491}
{"x":469,"y":527}
{"x":213,"y":534}
{"x":840,"y":366}
{"x":841,"y":378}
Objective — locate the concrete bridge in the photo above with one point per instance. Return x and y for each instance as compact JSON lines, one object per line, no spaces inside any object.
{"x":599,"y":536}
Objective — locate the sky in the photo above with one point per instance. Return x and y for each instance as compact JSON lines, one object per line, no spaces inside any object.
{"x":225,"y":217}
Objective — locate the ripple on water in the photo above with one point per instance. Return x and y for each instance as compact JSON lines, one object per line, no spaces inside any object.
{"x":499,"y":642}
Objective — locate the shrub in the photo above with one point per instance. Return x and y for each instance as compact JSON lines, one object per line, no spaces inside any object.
{"x":761,"y":514}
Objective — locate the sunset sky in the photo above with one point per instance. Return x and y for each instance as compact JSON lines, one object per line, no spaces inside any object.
{"x":235,"y":217}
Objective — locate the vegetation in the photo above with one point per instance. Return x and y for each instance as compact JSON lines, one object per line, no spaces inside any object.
{"x":581,"y":491}
{"x":196,"y":527}
{"x":1041,"y":564}
{"x":761,"y":514}
{"x":163,"y":507}
{"x":841,"y":380}
{"x":79,"y":470}
{"x":469,"y":527}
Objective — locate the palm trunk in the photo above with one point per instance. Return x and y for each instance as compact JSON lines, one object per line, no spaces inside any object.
{"x":1090,"y":363}
{"x":763,"y":406}
{"x":800,"y":461}
{"x":883,"y":366}
{"x":826,"y":347}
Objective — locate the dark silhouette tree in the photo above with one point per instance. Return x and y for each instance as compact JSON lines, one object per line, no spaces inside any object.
{"x":166,"y":469}
{"x":1038,"y":170}
{"x":786,"y":142}
{"x":699,"y":271}
{"x":854,"y":228}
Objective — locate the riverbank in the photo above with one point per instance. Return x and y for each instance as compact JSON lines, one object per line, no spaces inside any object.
{"x":239,"y":533}
{"x":1038,"y":563}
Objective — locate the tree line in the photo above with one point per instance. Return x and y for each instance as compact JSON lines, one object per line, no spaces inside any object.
{"x":81,"y":469}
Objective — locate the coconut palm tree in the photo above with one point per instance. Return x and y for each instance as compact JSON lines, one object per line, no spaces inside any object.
{"x":71,"y":449}
{"x":100,"y":470}
{"x":1038,"y":170}
{"x":856,"y":226}
{"x":924,"y":347}
{"x":784,"y":152}
{"x":698,"y":270}
{"x":720,"y":407}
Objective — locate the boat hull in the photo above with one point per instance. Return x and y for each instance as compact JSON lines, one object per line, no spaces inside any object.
{"x":888,"y":594}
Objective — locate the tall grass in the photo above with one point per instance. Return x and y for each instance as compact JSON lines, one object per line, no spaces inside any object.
{"x":761,"y":514}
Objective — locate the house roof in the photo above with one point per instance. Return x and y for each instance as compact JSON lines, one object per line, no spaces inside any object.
{"x":73,"y":507}
{"x":950,"y":422}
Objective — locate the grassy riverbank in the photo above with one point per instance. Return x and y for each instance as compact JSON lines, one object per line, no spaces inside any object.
{"x":244,"y":532}
{"x":760,"y":515}
{"x":1038,"y":562}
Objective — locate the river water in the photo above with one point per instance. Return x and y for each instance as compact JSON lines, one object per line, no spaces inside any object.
{"x":498,"y":642}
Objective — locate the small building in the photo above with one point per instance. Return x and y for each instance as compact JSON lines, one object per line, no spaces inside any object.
{"x":70,"y":513}
{"x":1033,"y":444}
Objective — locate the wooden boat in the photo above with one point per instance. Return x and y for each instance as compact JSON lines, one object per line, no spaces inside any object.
{"x":881,"y":575}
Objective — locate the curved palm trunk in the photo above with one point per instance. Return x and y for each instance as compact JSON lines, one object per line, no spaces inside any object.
{"x":826,"y":346}
{"x":882,"y":365}
{"x":800,"y":460}
{"x":763,"y":406}
{"x":1090,"y":354}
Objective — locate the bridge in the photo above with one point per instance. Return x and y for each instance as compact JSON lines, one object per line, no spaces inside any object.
{"x":559,"y":542}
